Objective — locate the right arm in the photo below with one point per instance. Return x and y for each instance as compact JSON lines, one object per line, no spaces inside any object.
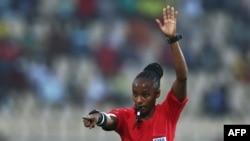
{"x":106,"y":121}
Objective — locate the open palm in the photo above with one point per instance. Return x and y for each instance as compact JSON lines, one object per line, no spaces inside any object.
{"x":168,"y":27}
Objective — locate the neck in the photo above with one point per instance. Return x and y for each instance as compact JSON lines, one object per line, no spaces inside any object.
{"x":149,"y":114}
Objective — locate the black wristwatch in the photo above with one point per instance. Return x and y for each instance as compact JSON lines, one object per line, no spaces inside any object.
{"x":174,"y":39}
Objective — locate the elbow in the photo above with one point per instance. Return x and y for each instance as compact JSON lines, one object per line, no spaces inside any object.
{"x":182,"y":79}
{"x":183,"y":76}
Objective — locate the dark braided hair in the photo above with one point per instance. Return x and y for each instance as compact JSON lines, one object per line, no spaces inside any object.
{"x":153,"y":72}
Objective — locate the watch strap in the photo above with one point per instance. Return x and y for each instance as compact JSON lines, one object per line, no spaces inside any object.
{"x":174,"y":39}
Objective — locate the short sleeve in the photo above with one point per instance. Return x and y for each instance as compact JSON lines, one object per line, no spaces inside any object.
{"x":123,"y":115}
{"x":173,"y":106}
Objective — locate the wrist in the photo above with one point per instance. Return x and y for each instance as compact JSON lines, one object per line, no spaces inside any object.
{"x":101,"y":117}
{"x":174,"y":39}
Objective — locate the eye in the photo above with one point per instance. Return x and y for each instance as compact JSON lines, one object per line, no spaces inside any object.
{"x":145,"y":95}
{"x":135,"y":94}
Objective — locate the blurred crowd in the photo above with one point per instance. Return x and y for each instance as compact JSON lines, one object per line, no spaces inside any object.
{"x":87,"y":52}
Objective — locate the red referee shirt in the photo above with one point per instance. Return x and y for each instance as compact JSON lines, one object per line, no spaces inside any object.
{"x":160,"y":127}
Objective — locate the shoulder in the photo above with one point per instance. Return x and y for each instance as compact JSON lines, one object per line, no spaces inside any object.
{"x":171,"y":102}
{"x":172,"y":97}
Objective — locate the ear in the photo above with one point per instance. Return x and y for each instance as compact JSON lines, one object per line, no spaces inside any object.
{"x":157,"y":93}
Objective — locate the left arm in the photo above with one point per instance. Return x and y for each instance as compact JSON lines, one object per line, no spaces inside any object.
{"x":180,"y":84}
{"x":168,"y":27}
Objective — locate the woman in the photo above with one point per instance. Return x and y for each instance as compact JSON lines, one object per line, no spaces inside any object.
{"x":146,"y":120}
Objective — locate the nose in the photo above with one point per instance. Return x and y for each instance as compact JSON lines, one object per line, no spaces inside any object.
{"x":139,"y":100}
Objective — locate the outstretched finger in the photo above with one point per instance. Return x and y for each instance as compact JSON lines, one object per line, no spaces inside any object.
{"x":159,"y":22}
{"x":164,"y":13}
{"x":176,"y":14}
{"x":85,"y":117}
{"x":172,"y":13}
{"x":168,"y":12}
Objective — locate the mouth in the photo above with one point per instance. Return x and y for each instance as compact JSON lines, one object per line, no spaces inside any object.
{"x":140,"y":108}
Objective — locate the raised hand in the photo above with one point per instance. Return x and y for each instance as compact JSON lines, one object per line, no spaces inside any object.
{"x":168,"y":27}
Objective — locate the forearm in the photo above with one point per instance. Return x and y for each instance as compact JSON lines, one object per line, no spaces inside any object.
{"x":111,"y":123}
{"x":107,"y":121}
{"x":179,"y":62}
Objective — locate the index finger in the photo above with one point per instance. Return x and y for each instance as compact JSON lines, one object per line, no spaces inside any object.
{"x":86,"y":118}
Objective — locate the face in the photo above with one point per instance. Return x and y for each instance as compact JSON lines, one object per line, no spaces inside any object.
{"x":144,"y":95}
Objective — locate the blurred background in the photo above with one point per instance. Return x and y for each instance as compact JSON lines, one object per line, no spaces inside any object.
{"x":59,"y":59}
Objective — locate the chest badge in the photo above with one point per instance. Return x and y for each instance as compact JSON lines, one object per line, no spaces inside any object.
{"x":160,"y":139}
